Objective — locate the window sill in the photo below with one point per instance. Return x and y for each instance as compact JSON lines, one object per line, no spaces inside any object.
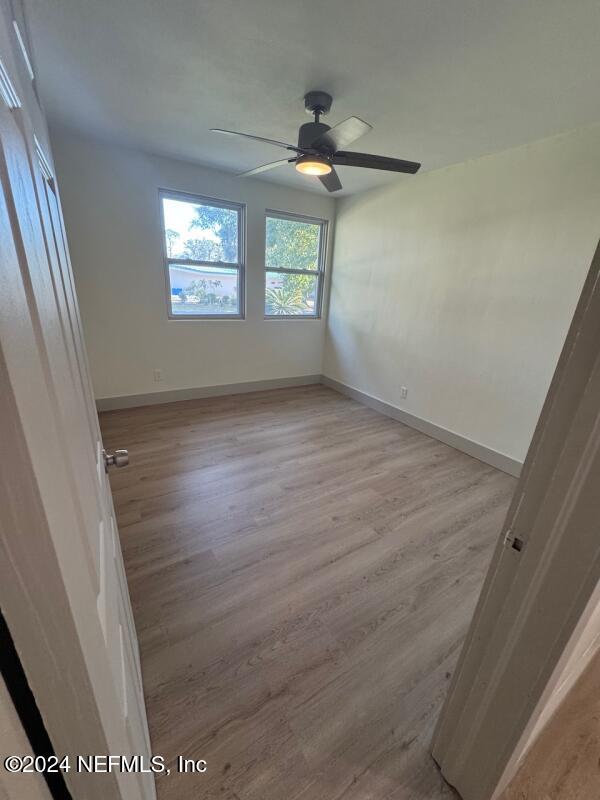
{"x":206,"y":318}
{"x":292,"y":317}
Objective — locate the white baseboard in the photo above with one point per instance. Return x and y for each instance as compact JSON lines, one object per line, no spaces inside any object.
{"x":479,"y":451}
{"x":475,"y":449}
{"x":173,"y":395}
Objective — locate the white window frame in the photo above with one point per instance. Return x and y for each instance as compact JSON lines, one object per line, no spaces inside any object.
{"x":319,"y":272}
{"x":240,"y":266}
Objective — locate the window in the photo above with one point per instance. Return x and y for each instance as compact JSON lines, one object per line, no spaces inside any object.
{"x":203,"y":246}
{"x":294,"y":264}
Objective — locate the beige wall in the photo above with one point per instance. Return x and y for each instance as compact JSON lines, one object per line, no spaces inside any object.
{"x":110,"y":201}
{"x":460,"y":285}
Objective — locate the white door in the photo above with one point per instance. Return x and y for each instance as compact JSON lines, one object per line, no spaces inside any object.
{"x":62,"y":582}
{"x":541,"y":592}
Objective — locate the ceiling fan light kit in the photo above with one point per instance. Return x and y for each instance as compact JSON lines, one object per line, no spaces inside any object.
{"x":319,"y":146}
{"x":313,"y":165}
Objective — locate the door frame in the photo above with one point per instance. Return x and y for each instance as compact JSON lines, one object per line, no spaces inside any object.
{"x":542,"y":579}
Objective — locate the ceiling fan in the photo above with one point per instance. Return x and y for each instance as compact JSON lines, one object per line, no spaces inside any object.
{"x":319,"y":149}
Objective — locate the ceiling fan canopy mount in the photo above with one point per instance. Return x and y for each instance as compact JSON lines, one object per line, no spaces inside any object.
{"x":318,"y":103}
{"x":320,"y":146}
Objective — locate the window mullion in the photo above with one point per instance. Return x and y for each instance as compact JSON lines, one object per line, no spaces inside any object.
{"x":188,"y":262}
{"x":291,"y":271}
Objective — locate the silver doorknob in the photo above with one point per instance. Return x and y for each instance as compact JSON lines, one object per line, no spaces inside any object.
{"x":120,"y":458}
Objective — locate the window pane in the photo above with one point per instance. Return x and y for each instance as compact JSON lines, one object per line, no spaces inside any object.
{"x":200,"y":232}
{"x":290,"y":295}
{"x":203,"y":290}
{"x":292,"y":244}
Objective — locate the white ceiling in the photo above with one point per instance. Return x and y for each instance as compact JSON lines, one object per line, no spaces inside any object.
{"x":441,"y":81}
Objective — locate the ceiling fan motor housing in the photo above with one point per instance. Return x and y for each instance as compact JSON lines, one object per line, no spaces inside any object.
{"x":309,"y":132}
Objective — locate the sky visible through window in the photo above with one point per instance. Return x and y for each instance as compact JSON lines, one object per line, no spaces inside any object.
{"x":179,"y":216}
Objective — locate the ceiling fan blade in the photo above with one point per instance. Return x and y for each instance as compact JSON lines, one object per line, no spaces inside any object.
{"x":342,"y":134}
{"x":264,"y":168}
{"x":331,"y":181}
{"x":349,"y":159}
{"x":276,"y":142}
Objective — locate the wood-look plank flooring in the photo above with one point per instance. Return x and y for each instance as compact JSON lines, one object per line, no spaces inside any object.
{"x":302,"y":572}
{"x":563,"y":763}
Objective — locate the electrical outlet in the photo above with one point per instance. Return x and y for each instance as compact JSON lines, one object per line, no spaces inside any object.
{"x":158,"y":375}
{"x":403,"y":392}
